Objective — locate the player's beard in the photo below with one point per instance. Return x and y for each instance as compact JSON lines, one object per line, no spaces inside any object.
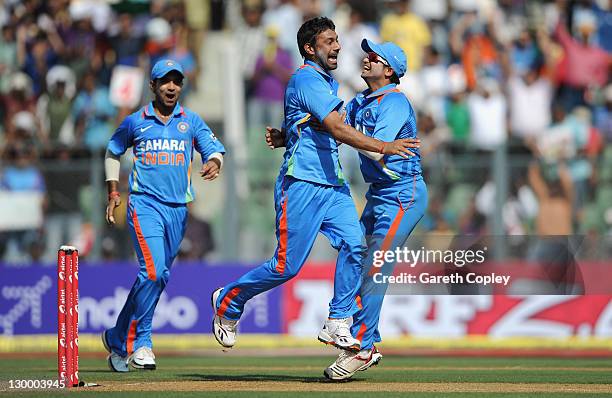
{"x":323,"y":60}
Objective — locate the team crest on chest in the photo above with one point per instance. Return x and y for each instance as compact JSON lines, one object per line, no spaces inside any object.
{"x":182,"y":127}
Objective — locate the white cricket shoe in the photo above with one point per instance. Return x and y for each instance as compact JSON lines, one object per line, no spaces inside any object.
{"x":116,"y":362}
{"x":348,"y":363}
{"x":142,"y":358}
{"x":337,"y":332}
{"x":223,"y":329}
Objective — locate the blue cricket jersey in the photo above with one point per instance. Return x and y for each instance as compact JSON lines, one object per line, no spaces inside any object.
{"x":311,"y":155}
{"x":163,"y":153}
{"x":385,"y":114}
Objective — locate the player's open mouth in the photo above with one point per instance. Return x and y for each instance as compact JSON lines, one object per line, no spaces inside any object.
{"x":333,"y":58}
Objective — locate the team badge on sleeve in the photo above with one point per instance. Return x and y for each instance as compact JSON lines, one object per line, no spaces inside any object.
{"x":183,"y":127}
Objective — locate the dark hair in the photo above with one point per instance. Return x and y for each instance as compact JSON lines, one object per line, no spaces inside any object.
{"x":394,"y":79}
{"x":310,"y":30}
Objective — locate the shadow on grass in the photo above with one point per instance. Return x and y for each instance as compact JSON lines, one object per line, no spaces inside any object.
{"x":266,"y":377}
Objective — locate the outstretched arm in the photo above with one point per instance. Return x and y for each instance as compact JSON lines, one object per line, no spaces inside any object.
{"x":348,"y":135}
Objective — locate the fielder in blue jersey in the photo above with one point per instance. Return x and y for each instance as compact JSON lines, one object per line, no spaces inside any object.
{"x":163,"y":136}
{"x":397,"y":197}
{"x":311,"y":195}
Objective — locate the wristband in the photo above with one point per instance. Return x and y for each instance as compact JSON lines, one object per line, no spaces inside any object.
{"x":114,"y":194}
{"x":382,"y":148}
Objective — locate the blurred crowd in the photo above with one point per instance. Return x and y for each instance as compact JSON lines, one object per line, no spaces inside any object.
{"x":530,"y":79}
{"x":62,"y":94}
{"x":527,"y":78}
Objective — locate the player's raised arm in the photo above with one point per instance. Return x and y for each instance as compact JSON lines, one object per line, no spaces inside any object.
{"x":344,"y":133}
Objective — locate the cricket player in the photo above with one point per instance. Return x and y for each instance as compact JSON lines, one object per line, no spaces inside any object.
{"x":397,"y":197}
{"x":311,"y":195}
{"x":163,"y":135}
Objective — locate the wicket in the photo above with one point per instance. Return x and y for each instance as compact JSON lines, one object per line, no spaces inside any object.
{"x":68,"y":316}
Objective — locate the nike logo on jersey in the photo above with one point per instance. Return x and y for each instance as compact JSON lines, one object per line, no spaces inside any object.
{"x":143,"y":129}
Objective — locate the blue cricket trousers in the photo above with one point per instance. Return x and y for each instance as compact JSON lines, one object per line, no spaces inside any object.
{"x":391,"y":213}
{"x":303,"y":209}
{"x":157,"y":230}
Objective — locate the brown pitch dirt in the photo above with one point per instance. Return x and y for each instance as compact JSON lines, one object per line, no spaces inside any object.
{"x":354,"y":387}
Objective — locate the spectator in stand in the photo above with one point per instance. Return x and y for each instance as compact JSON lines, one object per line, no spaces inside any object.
{"x":197,"y":15}
{"x":250,"y":38}
{"x":19,"y":98}
{"x":530,"y":95}
{"x":181,"y":53}
{"x":23,"y":129}
{"x":80,"y":42}
{"x":604,"y":24}
{"x":434,"y":80}
{"x":472,"y":41}
{"x":554,"y":227}
{"x":603,"y":115}
{"x":54,"y":109}
{"x":63,"y":217}
{"x":487,"y":108}
{"x":457,"y":112}
{"x":435,"y":13}
{"x":584,"y":64}
{"x":159,"y":39}
{"x":531,"y":91}
{"x":524,"y":53}
{"x":566,"y":140}
{"x":41,"y":53}
{"x":273,"y":68}
{"x":434,"y":140}
{"x":8,"y":56}
{"x":22,"y":175}
{"x":287,"y":16}
{"x":126,"y":45}
{"x":94,"y":114}
{"x":407,"y":30}
{"x":350,"y":59}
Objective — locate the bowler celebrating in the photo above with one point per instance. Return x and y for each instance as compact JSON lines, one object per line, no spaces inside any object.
{"x":311,"y":194}
{"x":397,"y":197}
{"x":163,"y":135}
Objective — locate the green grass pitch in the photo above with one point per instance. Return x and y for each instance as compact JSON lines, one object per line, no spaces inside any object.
{"x":233,"y":376}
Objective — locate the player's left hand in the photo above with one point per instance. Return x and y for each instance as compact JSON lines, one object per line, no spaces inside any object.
{"x":274,"y":138}
{"x":210,"y":170}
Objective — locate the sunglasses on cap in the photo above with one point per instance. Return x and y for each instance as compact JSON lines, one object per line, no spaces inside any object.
{"x":373,"y":57}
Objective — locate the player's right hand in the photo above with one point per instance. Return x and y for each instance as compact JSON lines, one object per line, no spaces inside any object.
{"x":274,"y":138}
{"x":113,"y":203}
{"x":401,"y":147}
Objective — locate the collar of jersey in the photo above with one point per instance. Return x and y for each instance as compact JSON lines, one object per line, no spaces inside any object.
{"x":150,"y":112}
{"x":317,"y":67}
{"x":381,"y":91}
